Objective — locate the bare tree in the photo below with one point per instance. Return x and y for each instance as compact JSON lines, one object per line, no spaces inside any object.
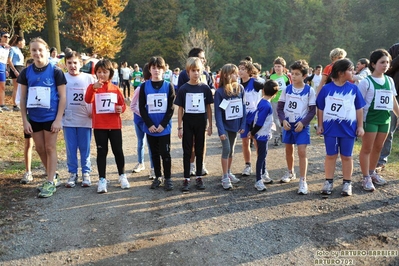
{"x":200,"y":39}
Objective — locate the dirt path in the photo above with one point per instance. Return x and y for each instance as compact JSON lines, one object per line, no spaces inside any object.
{"x":140,"y":226}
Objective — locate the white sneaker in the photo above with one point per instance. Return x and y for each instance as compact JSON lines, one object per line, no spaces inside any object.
{"x":138,"y":168}
{"x":204,"y":170}
{"x":192,"y":169}
{"x":102,"y":185}
{"x":123,"y":181}
{"x":347,"y":189}
{"x":86,"y":182}
{"x":368,"y":184}
{"x":233,"y":178}
{"x":151,"y":176}
{"x":377,"y":179}
{"x":288,"y":177}
{"x":266,"y":179}
{"x":226,"y":183}
{"x":247,"y":170}
{"x":327,"y":188}
{"x":303,"y":187}
{"x":73,"y":178}
{"x":260,"y":186}
{"x":27,"y":178}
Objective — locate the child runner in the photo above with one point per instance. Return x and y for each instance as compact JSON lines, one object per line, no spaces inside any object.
{"x":107,"y":105}
{"x":296,"y":109}
{"x":43,"y":99}
{"x":340,"y":105}
{"x":4,"y":52}
{"x":194,"y":100}
{"x":77,"y":121}
{"x":139,"y":127}
{"x":378,"y":91}
{"x":230,"y":119}
{"x":283,"y":81}
{"x":28,"y":144}
{"x":261,"y":130}
{"x":16,"y":63}
{"x":252,"y":95}
{"x":156,"y":109}
{"x":137,"y":76}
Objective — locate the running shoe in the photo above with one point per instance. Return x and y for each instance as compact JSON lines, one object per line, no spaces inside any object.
{"x":247,"y":170}
{"x":288,"y":177}
{"x":347,"y":189}
{"x":123,"y":181}
{"x":72,"y":180}
{"x":368,"y":184}
{"x":102,"y":185}
{"x":47,"y":190}
{"x":226,"y":183}
{"x":86,"y":182}
{"x":260,"y":186}
{"x":327,"y":188}
{"x":27,"y":178}
{"x":303,"y":187}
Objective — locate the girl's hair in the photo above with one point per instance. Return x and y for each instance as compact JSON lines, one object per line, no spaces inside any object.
{"x":230,"y":88}
{"x":376,"y":55}
{"x":15,"y":40}
{"x":270,"y":88}
{"x":146,"y":72}
{"x":337,"y":53}
{"x":340,"y":65}
{"x":157,"y":61}
{"x":301,"y":65}
{"x":105,"y":64}
{"x":39,"y":40}
{"x":194,"y":63}
{"x":364,"y":61}
{"x":248,"y":66}
{"x":279,"y":61}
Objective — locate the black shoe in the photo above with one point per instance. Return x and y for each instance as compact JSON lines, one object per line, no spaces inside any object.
{"x":168,"y":184}
{"x":186,"y":186}
{"x":199,"y":184}
{"x":156,"y":183}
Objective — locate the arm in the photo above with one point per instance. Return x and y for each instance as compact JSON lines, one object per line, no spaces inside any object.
{"x":170,"y":109}
{"x":359,"y":119}
{"x":180,"y":122}
{"x":308,"y":118}
{"x":89,"y":97}
{"x":9,"y":62}
{"x":209,"y":114}
{"x":57,"y":124}
{"x":219,"y":114}
{"x":134,"y":105}
{"x":280,"y":111}
{"x":320,"y":128}
{"x":25,"y":122}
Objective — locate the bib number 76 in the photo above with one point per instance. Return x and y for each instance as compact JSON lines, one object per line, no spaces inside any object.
{"x":235,"y":109}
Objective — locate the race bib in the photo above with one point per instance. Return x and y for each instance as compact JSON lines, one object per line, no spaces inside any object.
{"x":195,"y":103}
{"x":105,"y":102}
{"x":39,"y":97}
{"x":75,"y":97}
{"x":294,"y":108}
{"x":383,"y":100}
{"x":335,"y":108}
{"x":157,"y":103}
{"x":234,"y":109}
{"x":250,"y":102}
{"x":4,"y":55}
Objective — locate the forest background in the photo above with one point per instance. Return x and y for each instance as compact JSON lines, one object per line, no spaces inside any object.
{"x":135,"y":30}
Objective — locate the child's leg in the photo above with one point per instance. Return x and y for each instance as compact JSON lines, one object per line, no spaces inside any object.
{"x":303,"y":161}
{"x":329,"y":166}
{"x":71,"y":144}
{"x":153,"y":143}
{"x":232,"y":136}
{"x":101,"y":138}
{"x":347,"y":167}
{"x":149,"y":152}
{"x":140,"y":142}
{"x":289,"y":156}
{"x":28,"y":147}
{"x":164,"y":148}
{"x":246,"y":150}
{"x":364,"y":155}
{"x":260,"y":161}
{"x":187,"y":143}
{"x":84,"y":139}
{"x":225,"y":155}
{"x":377,"y":147}
{"x":115,"y":137}
{"x":50,"y":142}
{"x":199,"y":135}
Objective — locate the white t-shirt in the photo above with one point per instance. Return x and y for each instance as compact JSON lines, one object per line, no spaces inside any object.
{"x":77,"y":111}
{"x":126,"y":73}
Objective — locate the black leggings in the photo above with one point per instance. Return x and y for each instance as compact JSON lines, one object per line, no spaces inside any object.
{"x":160,"y":147}
{"x":193,"y":131}
{"x":126,"y":85}
{"x":115,"y":137}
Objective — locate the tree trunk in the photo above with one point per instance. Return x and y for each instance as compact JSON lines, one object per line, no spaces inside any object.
{"x":52,"y":20}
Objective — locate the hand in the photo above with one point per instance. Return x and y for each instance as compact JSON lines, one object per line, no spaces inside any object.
{"x":222,"y":137}
{"x":286,"y":125}
{"x":118,"y":109}
{"x":56,"y":126}
{"x":298,"y":126}
{"x":28,"y":128}
{"x":359,"y":131}
{"x":180,"y":133}
{"x":97,"y":85}
{"x":241,"y":131}
{"x":320,"y":130}
{"x":249,"y":135}
{"x":160,"y":129}
{"x":152,"y":129}
{"x":209,"y":130}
